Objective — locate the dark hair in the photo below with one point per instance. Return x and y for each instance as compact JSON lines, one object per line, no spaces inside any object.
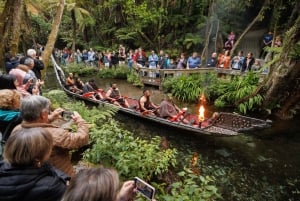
{"x":91,"y":80}
{"x":7,"y":81}
{"x":145,"y":90}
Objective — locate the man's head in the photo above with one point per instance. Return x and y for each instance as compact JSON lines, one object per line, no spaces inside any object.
{"x":114,"y":85}
{"x":31,"y":53}
{"x":214,"y":55}
{"x":35,"y":109}
{"x":146,"y":92}
{"x":29,"y":62}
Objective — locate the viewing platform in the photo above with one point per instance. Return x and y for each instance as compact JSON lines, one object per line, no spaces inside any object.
{"x":155,"y":77}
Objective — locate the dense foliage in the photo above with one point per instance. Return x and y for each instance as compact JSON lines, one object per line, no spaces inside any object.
{"x":113,"y":146}
{"x":174,"y":25}
{"x":120,"y":72}
{"x":223,"y":92}
{"x":133,"y":77}
{"x":178,"y":174}
{"x":188,"y":88}
{"x":237,"y":91}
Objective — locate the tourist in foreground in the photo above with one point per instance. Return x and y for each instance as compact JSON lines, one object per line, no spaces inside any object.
{"x":34,"y":111}
{"x":99,"y":184}
{"x":24,"y":173}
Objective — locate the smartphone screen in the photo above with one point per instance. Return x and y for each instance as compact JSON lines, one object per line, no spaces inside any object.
{"x":144,"y":188}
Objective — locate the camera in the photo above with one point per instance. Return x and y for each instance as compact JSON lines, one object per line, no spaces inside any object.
{"x":67,"y":114}
{"x":144,"y":188}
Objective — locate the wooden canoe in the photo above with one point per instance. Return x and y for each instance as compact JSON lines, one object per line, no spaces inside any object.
{"x":225,"y":124}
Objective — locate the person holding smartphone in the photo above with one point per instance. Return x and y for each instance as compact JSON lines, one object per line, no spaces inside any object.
{"x":99,"y":184}
{"x":35,"y":112}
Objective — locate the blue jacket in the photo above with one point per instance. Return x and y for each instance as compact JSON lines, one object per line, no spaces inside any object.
{"x":194,"y":62}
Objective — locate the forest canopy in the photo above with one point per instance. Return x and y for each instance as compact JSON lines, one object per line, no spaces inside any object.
{"x":173,"y":25}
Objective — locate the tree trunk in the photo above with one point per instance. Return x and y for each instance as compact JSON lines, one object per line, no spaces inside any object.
{"x":28,"y":26}
{"x":257,"y":18}
{"x":74,"y":27}
{"x":15,"y":29}
{"x":53,"y":35}
{"x":283,"y":87}
{"x":5,"y":24}
{"x":209,"y":28}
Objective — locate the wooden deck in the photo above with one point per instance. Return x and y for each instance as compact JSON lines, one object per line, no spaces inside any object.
{"x":155,"y":77}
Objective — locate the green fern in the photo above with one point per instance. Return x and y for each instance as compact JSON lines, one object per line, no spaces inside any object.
{"x":238,"y":89}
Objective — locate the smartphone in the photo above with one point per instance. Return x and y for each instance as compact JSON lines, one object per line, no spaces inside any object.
{"x":144,"y":188}
{"x":67,"y":114}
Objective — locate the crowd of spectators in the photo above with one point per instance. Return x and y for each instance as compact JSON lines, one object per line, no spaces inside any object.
{"x":35,"y":153}
{"x":162,"y":60}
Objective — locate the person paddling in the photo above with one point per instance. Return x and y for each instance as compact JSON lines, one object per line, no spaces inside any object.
{"x":113,"y":95}
{"x":146,"y":105}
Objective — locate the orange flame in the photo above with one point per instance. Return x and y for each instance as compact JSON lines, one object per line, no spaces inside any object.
{"x":201,"y":113}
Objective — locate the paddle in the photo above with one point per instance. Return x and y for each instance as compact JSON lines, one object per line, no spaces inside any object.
{"x":180,"y":113}
{"x":150,"y":111}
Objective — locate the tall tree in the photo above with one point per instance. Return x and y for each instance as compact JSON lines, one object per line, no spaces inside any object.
{"x":80,"y":19}
{"x":10,"y":28}
{"x":53,"y":34}
{"x":259,"y":16}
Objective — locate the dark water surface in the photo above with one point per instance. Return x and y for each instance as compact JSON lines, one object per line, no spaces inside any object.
{"x":262,"y":165}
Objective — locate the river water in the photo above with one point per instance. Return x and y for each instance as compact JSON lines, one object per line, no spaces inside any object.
{"x":262,"y":165}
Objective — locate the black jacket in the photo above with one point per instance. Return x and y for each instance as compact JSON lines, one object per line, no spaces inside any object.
{"x":31,"y":183}
{"x":38,"y":66}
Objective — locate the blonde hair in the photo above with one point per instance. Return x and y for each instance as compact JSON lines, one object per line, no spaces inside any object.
{"x":27,"y":146}
{"x":9,"y":99}
{"x":96,"y":184}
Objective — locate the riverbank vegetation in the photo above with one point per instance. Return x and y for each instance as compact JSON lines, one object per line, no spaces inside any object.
{"x":232,"y":92}
{"x":151,"y":159}
{"x":177,"y":174}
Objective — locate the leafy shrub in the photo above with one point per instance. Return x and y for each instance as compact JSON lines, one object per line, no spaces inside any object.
{"x":238,"y":89}
{"x":133,"y":77}
{"x":132,"y":156}
{"x":96,"y":116}
{"x":118,"y":73}
{"x":110,"y":145}
{"x":192,"y":188}
{"x":80,"y":69}
{"x":187,"y":88}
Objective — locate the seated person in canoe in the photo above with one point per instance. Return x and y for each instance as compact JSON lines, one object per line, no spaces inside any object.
{"x":90,"y":90}
{"x":113,"y":95}
{"x":168,"y":110}
{"x":146,"y":105}
{"x":70,"y":84}
{"x":78,"y":83}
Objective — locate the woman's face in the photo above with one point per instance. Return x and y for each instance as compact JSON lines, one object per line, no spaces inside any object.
{"x":16,"y":83}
